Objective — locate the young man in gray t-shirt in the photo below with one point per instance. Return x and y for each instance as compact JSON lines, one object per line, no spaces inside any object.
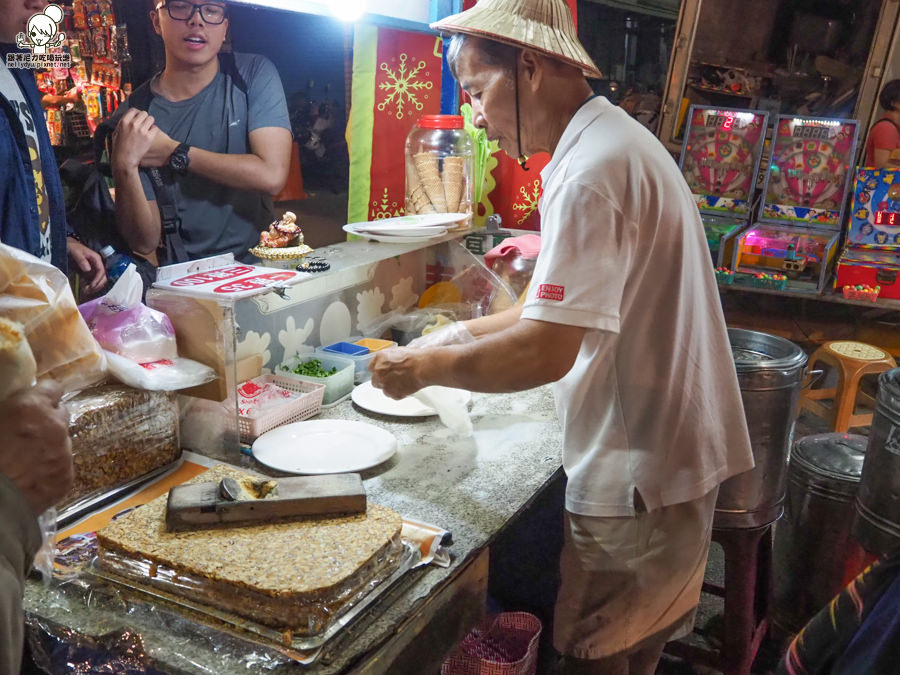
{"x":228,"y":149}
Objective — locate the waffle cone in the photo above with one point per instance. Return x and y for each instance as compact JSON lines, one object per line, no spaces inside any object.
{"x":419,"y":201}
{"x":430,"y":176}
{"x":412,"y":176}
{"x":453,"y":181}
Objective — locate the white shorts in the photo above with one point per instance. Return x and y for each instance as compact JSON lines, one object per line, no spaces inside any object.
{"x":624,"y":580}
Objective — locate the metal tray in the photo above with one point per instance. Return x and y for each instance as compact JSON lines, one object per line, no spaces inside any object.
{"x":80,"y":508}
{"x":407,"y":559}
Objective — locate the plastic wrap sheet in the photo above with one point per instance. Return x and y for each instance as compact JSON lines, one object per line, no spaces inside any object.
{"x":128,"y":637}
{"x":138,"y":611}
{"x":119,"y":434}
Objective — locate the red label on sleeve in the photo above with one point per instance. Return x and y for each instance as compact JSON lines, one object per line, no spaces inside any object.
{"x":551,"y":292}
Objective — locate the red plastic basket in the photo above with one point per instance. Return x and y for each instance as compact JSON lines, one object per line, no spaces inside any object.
{"x":292,"y":410}
{"x":505,"y":644}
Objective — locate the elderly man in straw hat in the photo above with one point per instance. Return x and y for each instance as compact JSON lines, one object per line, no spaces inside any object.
{"x":623,"y":315}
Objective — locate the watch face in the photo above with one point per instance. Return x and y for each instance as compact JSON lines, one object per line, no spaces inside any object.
{"x":179,"y":159}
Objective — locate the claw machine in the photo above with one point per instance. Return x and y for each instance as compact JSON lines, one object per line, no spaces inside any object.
{"x":720,"y":162}
{"x":805,"y":193}
{"x":869,"y":265}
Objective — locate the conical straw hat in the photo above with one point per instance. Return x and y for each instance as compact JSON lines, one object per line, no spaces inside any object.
{"x":543,"y":25}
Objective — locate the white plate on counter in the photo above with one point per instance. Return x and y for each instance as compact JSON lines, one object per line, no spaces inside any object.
{"x":324,"y":446}
{"x":413,"y":221}
{"x":431,"y":233}
{"x":374,"y":400}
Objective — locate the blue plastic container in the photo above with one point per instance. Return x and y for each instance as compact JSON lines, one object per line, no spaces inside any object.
{"x":346,"y":349}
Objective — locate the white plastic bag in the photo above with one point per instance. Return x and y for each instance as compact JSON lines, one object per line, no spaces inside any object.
{"x":37,"y":295}
{"x":122,"y":324}
{"x":162,"y":375}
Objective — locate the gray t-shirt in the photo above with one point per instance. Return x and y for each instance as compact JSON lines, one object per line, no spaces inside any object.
{"x":216,"y":218}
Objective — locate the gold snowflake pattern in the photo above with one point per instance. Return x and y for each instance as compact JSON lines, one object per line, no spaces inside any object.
{"x":402,"y":88}
{"x":385,"y":208}
{"x":529,"y":202}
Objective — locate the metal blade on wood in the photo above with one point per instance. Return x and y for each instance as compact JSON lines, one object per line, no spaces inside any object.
{"x":204,"y":505}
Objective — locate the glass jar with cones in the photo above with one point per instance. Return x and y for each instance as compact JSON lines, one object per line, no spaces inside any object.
{"x":439,"y":168}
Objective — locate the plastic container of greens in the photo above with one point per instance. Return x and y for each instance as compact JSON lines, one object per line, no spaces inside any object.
{"x":335,"y":372}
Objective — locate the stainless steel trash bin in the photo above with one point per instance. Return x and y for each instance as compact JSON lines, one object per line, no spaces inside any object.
{"x":815,"y":556}
{"x":770,"y":371}
{"x":877,"y":523}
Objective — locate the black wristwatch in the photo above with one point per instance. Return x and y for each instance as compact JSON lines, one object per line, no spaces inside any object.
{"x":179,"y":160}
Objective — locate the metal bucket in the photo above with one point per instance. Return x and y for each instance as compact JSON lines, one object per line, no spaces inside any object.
{"x":770,"y":371}
{"x":877,"y":524}
{"x":815,"y":557}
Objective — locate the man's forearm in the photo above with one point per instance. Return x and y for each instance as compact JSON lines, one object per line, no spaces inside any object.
{"x":136,"y":218}
{"x":494,"y":323}
{"x":528,"y":354}
{"x":246,"y":172}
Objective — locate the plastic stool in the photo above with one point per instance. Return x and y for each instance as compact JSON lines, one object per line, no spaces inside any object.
{"x":852,"y":360}
{"x":747,"y":592}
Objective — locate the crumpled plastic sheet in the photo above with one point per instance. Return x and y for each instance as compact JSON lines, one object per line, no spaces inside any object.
{"x":59,"y":650}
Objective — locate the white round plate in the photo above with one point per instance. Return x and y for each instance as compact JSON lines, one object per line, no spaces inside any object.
{"x":397,"y":239}
{"x":374,"y":400}
{"x":324,"y":446}
{"x":415,"y":220}
{"x":399,"y":230}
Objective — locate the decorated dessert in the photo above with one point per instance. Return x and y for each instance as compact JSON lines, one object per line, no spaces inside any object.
{"x":295,"y":577}
{"x":282,"y":244}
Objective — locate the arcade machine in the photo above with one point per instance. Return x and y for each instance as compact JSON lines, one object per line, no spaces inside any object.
{"x":804,"y":198}
{"x":871,"y":256}
{"x":720,"y":162}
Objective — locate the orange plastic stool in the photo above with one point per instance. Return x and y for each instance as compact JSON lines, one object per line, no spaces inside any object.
{"x":852,"y":360}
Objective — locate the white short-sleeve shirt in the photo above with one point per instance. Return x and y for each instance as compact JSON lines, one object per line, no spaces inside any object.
{"x":652,"y":401}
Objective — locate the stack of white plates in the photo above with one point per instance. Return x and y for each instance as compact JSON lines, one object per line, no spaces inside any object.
{"x":406,"y":229}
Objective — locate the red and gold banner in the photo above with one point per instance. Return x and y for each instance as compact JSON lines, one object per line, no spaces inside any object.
{"x":396,"y":81}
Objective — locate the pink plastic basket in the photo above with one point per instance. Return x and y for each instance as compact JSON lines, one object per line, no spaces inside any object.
{"x":292,"y":410}
{"x":505,"y":644}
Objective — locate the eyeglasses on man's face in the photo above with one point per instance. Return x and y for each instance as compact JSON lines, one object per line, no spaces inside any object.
{"x":181,"y":10}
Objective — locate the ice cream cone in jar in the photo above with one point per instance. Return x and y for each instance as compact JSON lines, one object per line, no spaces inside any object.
{"x":439,"y":162}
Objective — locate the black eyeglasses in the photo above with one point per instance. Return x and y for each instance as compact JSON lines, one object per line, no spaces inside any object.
{"x":181,"y":10}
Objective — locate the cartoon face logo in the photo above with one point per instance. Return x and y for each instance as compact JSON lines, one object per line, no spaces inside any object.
{"x":861,"y":214}
{"x":871,"y":184}
{"x":881,"y":237}
{"x":863,"y":198}
{"x":43,"y":31}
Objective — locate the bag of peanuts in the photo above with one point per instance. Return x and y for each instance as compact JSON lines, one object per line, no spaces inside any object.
{"x":36,"y":295}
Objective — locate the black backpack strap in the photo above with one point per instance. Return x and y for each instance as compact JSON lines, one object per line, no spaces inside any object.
{"x":163,"y":186}
{"x":140,"y":98}
{"x":228,"y":66}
